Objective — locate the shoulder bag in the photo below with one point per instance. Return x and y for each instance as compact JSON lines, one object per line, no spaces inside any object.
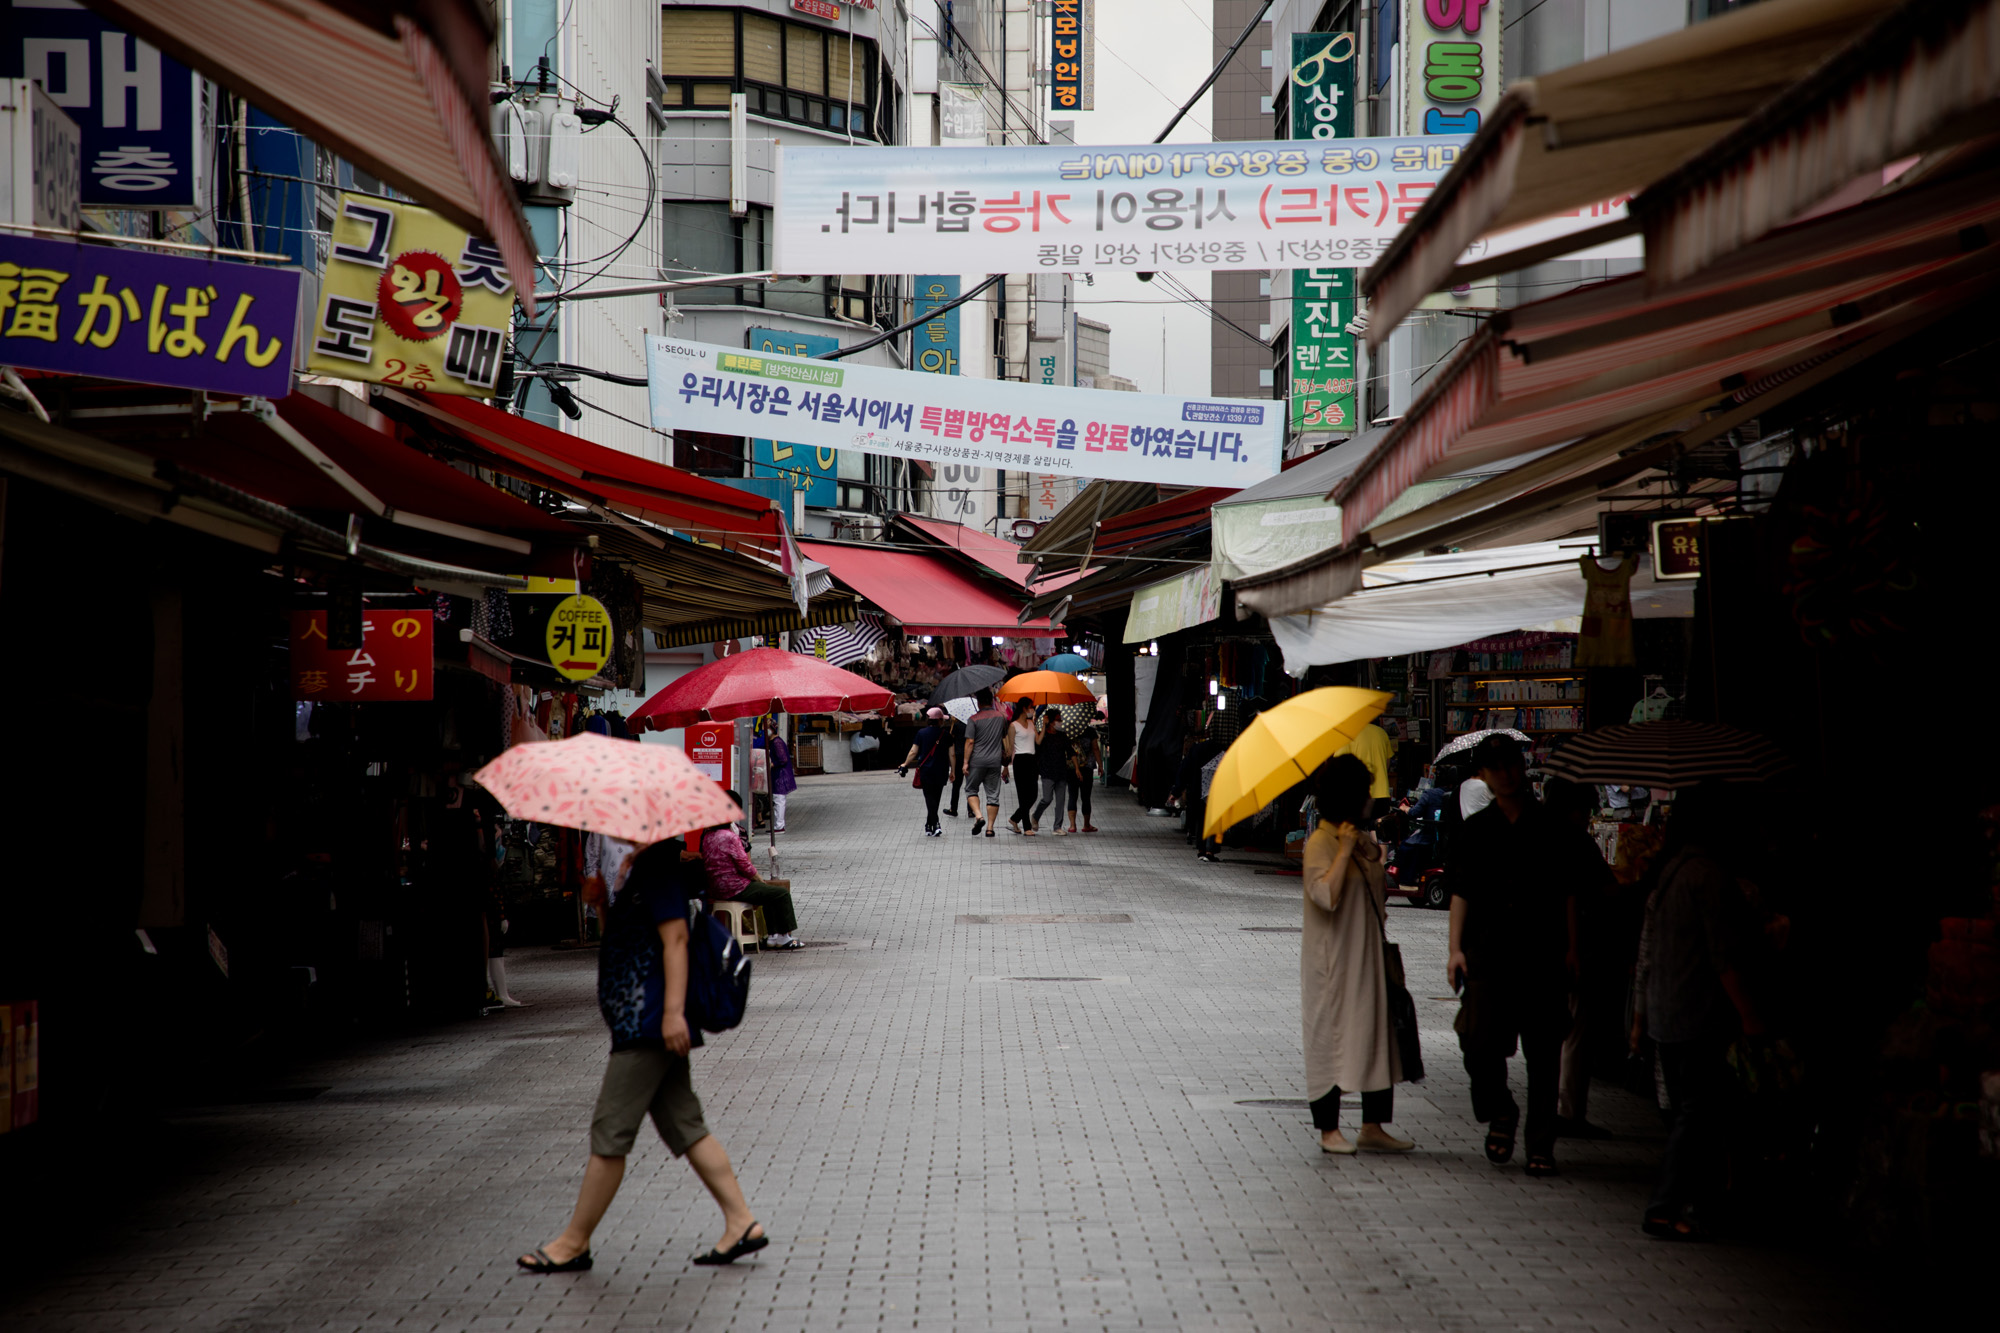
{"x":917,"y":780}
{"x":1402,"y":1009}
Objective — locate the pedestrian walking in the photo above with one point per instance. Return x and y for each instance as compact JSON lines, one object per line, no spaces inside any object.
{"x":733,"y":877}
{"x":1026,"y":772}
{"x":955,"y":735}
{"x":1595,"y":989}
{"x":1052,"y":753}
{"x":1343,"y":982}
{"x":931,"y":756}
{"x":642,"y":976}
{"x":1514,"y":873}
{"x":778,"y":761}
{"x":989,"y":753}
{"x":1080,"y":777}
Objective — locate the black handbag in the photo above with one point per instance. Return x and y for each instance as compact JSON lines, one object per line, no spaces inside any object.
{"x":1402,"y":1009}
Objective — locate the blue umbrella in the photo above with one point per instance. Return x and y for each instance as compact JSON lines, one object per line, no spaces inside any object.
{"x":1070,"y":662}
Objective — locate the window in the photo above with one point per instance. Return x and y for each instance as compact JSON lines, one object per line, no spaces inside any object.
{"x":702,"y":237}
{"x":785,"y":70}
{"x":708,"y":454}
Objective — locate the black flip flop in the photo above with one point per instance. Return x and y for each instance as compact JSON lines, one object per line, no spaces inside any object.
{"x":745,"y":1244}
{"x":1500,"y":1143}
{"x":1541,"y":1165}
{"x":540,"y":1263}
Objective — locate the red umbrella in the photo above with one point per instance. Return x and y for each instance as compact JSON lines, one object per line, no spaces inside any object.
{"x":761,"y":680}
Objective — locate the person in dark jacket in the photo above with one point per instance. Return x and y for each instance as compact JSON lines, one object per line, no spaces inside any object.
{"x":932,"y":756}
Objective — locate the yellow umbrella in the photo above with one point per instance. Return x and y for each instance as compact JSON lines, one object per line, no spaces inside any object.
{"x":1045,"y":687}
{"x":1283,"y":746}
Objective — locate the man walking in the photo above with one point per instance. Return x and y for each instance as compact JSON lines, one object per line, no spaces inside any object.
{"x":989,"y":758}
{"x":642,"y":977}
{"x":1514,"y":873}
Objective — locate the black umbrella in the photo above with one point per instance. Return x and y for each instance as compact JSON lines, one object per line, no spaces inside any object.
{"x":967,"y":681}
{"x":1667,"y":754}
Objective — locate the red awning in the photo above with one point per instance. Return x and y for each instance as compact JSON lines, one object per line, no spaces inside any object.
{"x":924,"y":592}
{"x":989,"y":552}
{"x":607,"y":478}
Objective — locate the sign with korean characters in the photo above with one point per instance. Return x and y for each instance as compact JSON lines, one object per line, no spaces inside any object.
{"x":813,"y":471}
{"x":1450,"y":84}
{"x":1072,"y":37}
{"x":118,"y":314}
{"x":1321,"y":91}
{"x":1072,"y":208}
{"x":138,"y":113}
{"x":963,"y":422}
{"x":1322,"y":349}
{"x":1677,"y":548}
{"x":411,"y":300}
{"x":578,"y":637}
{"x":392,"y":665}
{"x":936,"y":343}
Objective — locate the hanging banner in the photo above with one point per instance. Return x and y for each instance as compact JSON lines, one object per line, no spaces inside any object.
{"x":392,"y":665}
{"x":411,"y":300}
{"x":962,"y":115}
{"x":1158,"y":438}
{"x":1074,"y":208}
{"x":814,"y":471}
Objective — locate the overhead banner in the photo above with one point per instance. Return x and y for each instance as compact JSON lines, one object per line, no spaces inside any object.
{"x":1072,"y":207}
{"x":962,"y":422}
{"x":412,"y":300}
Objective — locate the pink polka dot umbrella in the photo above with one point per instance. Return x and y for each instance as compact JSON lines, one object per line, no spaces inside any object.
{"x":640,"y":793}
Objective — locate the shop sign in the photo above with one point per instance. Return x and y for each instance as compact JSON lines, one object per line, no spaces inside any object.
{"x":1321,"y":97}
{"x":1068,"y":208}
{"x":708,"y":745}
{"x":813,"y":471}
{"x":392,"y":665}
{"x":962,"y":115}
{"x":159,"y":319}
{"x":411,"y":300}
{"x":1072,"y":37}
{"x":819,"y":9}
{"x":1159,"y":438}
{"x":937,"y":341}
{"x":578,"y":637}
{"x":1677,"y":548}
{"x":137,"y":112}
{"x":1450,"y":84}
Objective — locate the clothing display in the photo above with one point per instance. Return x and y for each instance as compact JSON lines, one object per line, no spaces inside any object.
{"x":1606,"y":635}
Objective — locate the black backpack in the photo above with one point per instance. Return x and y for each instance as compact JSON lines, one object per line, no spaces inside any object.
{"x":718,"y":985}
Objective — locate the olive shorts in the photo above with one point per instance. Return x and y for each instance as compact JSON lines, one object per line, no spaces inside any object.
{"x":642,"y":1082}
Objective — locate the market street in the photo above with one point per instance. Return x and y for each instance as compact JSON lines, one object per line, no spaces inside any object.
{"x":1066,"y":1116}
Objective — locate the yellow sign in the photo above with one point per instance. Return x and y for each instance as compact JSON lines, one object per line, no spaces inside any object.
{"x":543,"y":584}
{"x":579,"y":637}
{"x":411,"y":300}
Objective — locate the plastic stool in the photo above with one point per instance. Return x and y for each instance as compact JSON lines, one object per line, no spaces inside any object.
{"x":746,"y":922}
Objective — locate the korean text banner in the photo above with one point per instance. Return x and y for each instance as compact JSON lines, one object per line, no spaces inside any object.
{"x":964,"y":422}
{"x":158,"y":319}
{"x":411,"y":300}
{"x":1281,"y":204}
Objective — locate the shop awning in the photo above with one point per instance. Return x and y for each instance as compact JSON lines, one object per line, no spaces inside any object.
{"x":1414,"y":606}
{"x":1601,"y":129}
{"x":1067,"y":540}
{"x":698,"y":594}
{"x":603,"y":480}
{"x":925,"y":593}
{"x":398,"y":87}
{"x":980,"y":548}
{"x":1179,"y":601}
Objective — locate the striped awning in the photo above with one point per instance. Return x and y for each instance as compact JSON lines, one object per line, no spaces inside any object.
{"x":841,"y":644}
{"x":838,"y":611}
{"x":1667,"y":754}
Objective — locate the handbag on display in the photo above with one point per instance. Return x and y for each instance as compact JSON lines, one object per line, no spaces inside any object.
{"x":1402,"y":1009}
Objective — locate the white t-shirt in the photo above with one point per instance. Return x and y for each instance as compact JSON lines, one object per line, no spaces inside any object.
{"x":1473,"y":796}
{"x":1024,"y":738}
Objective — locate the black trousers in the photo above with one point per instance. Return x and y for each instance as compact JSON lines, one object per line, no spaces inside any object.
{"x":1025,"y":775}
{"x":1699,"y":1085}
{"x":933,"y":789}
{"x":1377,"y":1108}
{"x":1499,"y":1010}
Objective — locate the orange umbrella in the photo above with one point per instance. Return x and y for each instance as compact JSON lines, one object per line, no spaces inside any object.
{"x":1046,"y":687}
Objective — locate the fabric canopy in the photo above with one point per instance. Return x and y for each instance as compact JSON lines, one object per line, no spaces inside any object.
{"x":925,"y":593}
{"x":1193,"y":597}
{"x":1070,"y":535}
{"x":1415,"y":606}
{"x":1000,"y":556}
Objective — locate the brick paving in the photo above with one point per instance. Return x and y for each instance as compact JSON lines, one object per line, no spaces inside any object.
{"x":995,"y":1104}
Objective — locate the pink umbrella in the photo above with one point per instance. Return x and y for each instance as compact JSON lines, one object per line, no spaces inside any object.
{"x":640,"y":793}
{"x":752,"y":683}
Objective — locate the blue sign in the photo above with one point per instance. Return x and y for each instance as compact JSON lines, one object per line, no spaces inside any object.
{"x":137,"y":109}
{"x":191,"y":323}
{"x":936,"y":343}
{"x":812,"y":470}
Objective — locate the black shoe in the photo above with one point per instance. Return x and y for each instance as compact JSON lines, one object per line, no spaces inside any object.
{"x":1567,"y":1128}
{"x":745,"y":1244}
{"x":977,"y":826}
{"x":539,"y":1262}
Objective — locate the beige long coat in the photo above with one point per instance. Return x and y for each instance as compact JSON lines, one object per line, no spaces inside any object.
{"x":1343,"y":995}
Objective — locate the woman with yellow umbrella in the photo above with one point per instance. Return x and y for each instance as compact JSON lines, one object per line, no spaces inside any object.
{"x":1343,"y":969}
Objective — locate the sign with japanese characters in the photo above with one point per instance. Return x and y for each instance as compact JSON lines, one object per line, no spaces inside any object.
{"x":1322,"y":349}
{"x":392,"y":665}
{"x":578,"y":637}
{"x":964,"y":422}
{"x":159,"y":319}
{"x":137,"y":111}
{"x":1072,"y":35}
{"x":411,"y":300}
{"x":814,"y":471}
{"x":1073,"y":208}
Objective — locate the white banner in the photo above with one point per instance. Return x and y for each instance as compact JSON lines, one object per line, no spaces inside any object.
{"x":952,"y":420}
{"x":1074,"y":208}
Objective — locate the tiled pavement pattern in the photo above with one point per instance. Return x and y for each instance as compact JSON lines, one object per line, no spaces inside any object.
{"x":1014,"y":1126}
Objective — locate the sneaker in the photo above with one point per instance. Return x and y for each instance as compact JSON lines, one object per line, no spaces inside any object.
{"x":1206,"y":856}
{"x":1060,"y":832}
{"x":1160,"y":812}
{"x":977,"y":827}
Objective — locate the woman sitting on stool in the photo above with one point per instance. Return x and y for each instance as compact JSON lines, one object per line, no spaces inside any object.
{"x":733,"y":878}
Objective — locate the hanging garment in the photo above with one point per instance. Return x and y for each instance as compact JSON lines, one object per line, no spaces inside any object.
{"x":1606,"y":638}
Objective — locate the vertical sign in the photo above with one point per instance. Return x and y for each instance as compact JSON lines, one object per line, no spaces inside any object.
{"x":961,"y":115}
{"x":1451,"y":83}
{"x":937,"y":341}
{"x":810,"y":470}
{"x":135,"y":109}
{"x":1321,"y":97}
{"x":1071,"y":37}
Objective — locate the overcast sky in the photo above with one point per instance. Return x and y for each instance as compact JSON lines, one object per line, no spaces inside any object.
{"x":1150,"y":55}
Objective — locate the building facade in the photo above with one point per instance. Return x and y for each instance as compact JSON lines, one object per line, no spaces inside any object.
{"x":1240,"y":366}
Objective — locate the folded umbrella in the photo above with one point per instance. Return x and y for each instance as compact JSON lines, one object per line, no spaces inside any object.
{"x":1283,"y":746}
{"x":1667,"y":754}
{"x":1070,"y":662}
{"x":966,"y":682}
{"x":640,"y":793}
{"x":1046,"y":687}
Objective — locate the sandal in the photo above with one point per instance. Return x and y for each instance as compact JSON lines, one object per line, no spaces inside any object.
{"x":1683,"y":1228}
{"x":539,"y":1262}
{"x":1541,"y":1164}
{"x":745,"y":1244}
{"x":1500,"y":1143}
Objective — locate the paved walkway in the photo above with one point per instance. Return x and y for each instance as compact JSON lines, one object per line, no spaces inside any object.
{"x":1074,"y":1113}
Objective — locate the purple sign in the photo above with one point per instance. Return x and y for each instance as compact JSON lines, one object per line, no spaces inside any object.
{"x":158,"y":319}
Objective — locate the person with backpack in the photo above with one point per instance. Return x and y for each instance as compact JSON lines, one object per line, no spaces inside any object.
{"x":649,"y":976}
